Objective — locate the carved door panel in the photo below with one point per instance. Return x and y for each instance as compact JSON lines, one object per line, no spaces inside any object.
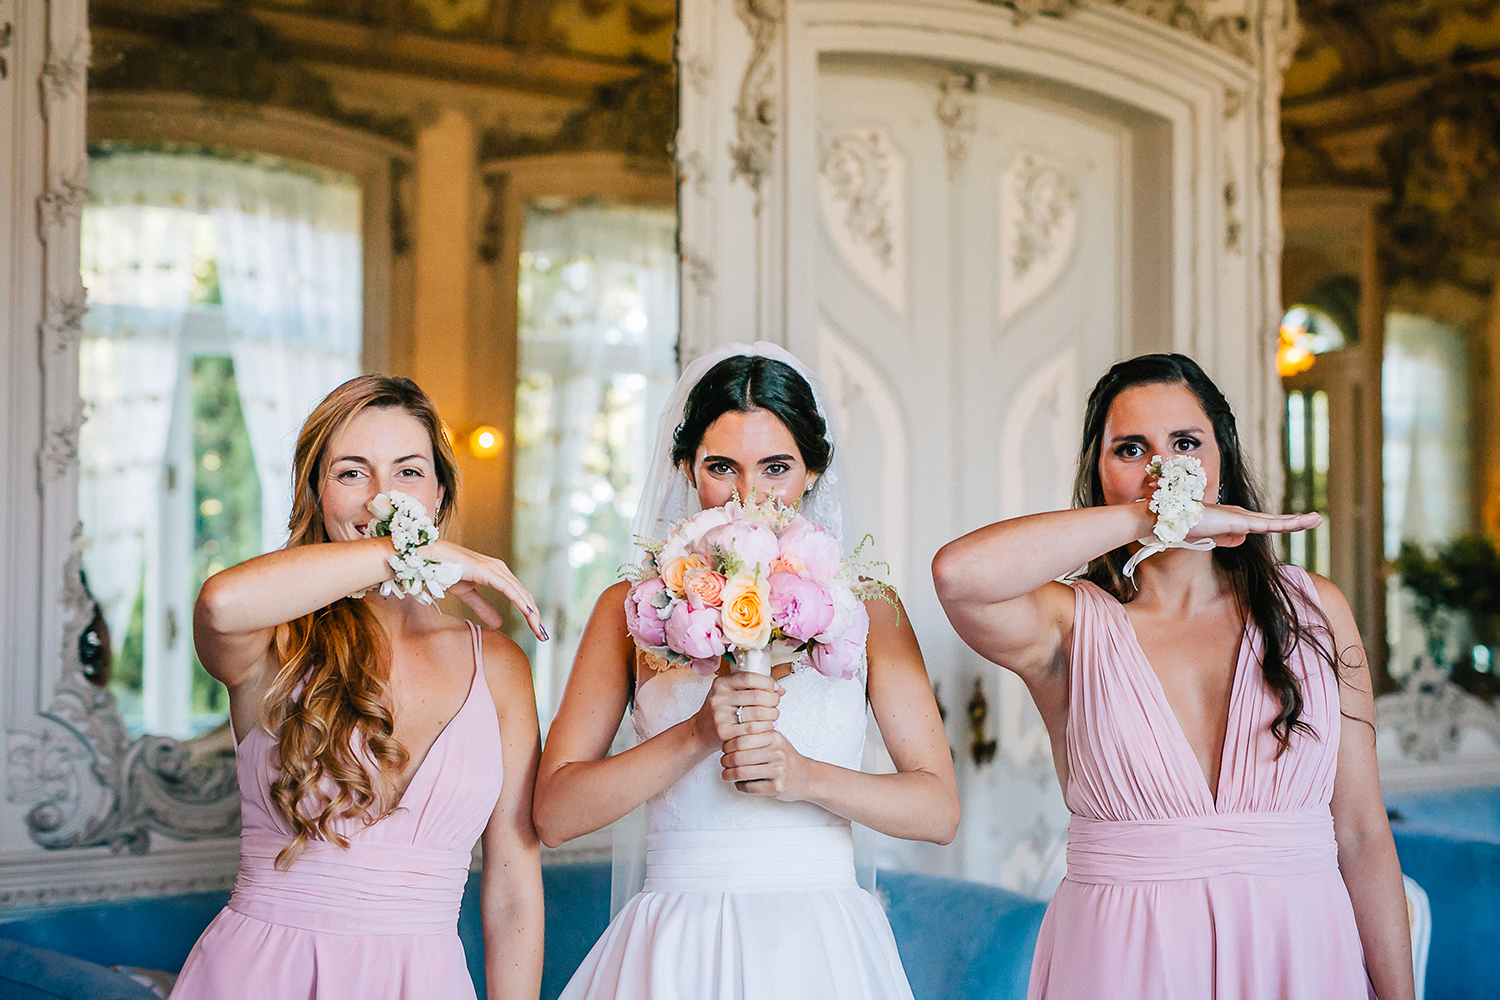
{"x":972,"y":284}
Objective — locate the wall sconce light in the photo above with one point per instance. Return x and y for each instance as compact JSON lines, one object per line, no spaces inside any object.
{"x":981,"y":749}
{"x":485,"y":442}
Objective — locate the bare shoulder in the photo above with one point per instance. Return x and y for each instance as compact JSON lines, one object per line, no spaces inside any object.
{"x":508,"y":673}
{"x":1335,"y":605}
{"x":611,"y":602}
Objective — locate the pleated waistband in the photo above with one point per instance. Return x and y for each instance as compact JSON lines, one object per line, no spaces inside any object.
{"x":766,"y":859}
{"x":364,"y":889}
{"x":1111,"y":852}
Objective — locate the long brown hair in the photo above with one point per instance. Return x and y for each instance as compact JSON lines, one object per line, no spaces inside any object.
{"x":329,"y":707}
{"x":1283,"y":618}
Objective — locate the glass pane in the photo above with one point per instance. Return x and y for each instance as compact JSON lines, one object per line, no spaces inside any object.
{"x":598,"y":339}
{"x":224,"y":301}
{"x":1426,"y":457}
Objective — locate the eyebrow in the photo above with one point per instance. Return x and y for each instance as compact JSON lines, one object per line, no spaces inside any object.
{"x":365,"y":461}
{"x":764,"y":461}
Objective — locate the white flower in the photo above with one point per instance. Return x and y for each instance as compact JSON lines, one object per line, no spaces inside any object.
{"x":381,"y":507}
{"x":845,"y":611}
{"x":1178,"y":500}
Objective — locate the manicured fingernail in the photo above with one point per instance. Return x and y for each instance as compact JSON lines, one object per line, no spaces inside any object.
{"x":545,"y":636}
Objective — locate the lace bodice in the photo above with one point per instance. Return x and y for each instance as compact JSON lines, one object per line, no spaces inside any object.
{"x":823,"y":718}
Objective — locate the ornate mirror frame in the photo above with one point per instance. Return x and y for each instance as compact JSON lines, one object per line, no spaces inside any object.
{"x":75,"y":778}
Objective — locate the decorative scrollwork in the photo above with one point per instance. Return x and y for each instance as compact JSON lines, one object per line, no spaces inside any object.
{"x":1231,"y":32}
{"x":699,"y":271}
{"x":958,"y":114}
{"x":1038,"y":223}
{"x":862,"y":189}
{"x":1431,"y":713}
{"x":62,"y":204}
{"x":65,"y":76}
{"x":63,"y":327}
{"x":755,"y":113}
{"x":89,"y":784}
{"x":59,"y":451}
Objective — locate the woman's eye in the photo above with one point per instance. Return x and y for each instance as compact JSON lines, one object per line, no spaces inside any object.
{"x":721,"y":469}
{"x":1128,"y":451}
{"x":777,"y":469}
{"x":410,"y":473}
{"x":348,"y":474}
{"x":1184,"y":444}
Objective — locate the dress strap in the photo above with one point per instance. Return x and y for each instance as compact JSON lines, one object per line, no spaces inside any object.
{"x":477,"y":641}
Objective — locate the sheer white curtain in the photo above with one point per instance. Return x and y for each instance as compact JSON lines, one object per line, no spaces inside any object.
{"x":598,"y":339}
{"x":270,"y":252}
{"x":1426,"y":457}
{"x":137,"y":252}
{"x":290,"y":272}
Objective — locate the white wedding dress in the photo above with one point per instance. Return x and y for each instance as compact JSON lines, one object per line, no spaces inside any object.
{"x":747,"y":897}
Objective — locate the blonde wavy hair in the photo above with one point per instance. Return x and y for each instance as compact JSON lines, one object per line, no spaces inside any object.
{"x":329,"y":707}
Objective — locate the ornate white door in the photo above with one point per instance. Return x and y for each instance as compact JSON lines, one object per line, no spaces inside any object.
{"x":973,"y":280}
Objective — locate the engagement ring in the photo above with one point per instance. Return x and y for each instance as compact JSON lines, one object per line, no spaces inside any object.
{"x":737,"y":717}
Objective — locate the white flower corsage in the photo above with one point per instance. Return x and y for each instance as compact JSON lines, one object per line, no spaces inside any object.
{"x":1178,"y":506}
{"x":405,"y":521}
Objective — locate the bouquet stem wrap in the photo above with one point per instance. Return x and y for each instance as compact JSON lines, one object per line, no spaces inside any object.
{"x":753,"y":661}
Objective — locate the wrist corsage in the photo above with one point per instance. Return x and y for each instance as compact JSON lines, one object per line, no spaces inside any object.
{"x":404,"y":520}
{"x":1178,"y":506}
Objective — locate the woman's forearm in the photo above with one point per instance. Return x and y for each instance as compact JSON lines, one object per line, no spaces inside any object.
{"x":513,"y":919}
{"x":1372,"y":873}
{"x":910,"y":805}
{"x":582,"y":796}
{"x":281,"y":586}
{"x":1005,"y":560}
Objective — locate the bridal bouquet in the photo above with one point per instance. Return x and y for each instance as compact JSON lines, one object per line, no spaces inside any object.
{"x":753,"y":582}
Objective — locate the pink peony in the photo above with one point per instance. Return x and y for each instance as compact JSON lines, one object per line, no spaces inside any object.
{"x":800,"y":607}
{"x":842,"y":657}
{"x":683,"y":539}
{"x":754,"y":544}
{"x":695,"y":634}
{"x":641,"y":619}
{"x":813,"y":545}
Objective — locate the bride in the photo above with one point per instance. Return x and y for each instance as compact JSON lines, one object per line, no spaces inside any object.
{"x":752,"y":781}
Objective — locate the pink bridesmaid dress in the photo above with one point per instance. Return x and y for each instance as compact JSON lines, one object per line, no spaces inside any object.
{"x":377,"y":921}
{"x":1171,"y":894}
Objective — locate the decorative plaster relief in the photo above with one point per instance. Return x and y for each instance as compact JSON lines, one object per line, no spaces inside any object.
{"x":1038,"y":225}
{"x":6,"y":34}
{"x":851,"y":378}
{"x":89,"y":784}
{"x":958,"y":114}
{"x":62,"y":204}
{"x":692,"y":171}
{"x":65,"y":76}
{"x":755,"y":114}
{"x":1037,"y":860}
{"x":862,"y":188}
{"x":699,"y":271}
{"x":58,"y":454}
{"x":63,"y":327}
{"x":1431,"y":714}
{"x":1232,"y":32}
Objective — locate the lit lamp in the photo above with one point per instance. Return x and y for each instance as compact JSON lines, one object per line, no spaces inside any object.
{"x":485,"y":442}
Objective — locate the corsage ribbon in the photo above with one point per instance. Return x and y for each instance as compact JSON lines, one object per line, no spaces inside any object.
{"x":1178,"y":505}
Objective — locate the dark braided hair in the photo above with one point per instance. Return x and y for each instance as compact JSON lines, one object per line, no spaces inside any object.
{"x":746,"y":382}
{"x":1252,"y":568}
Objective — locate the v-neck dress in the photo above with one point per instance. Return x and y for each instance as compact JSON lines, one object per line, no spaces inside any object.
{"x":375,"y":921}
{"x":1171,"y":894}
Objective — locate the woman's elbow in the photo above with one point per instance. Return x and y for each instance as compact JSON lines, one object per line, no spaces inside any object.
{"x":945,"y":828}
{"x":543,"y":816}
{"x":214,"y":604}
{"x":946,"y":571}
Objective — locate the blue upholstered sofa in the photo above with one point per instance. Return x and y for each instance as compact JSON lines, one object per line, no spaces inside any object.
{"x":958,"y":940}
{"x":1449,"y":841}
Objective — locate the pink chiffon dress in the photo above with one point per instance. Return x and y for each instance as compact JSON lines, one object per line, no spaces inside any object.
{"x":1172,"y":894}
{"x":376,"y":921}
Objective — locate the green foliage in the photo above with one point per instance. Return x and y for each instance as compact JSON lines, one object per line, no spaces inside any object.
{"x":226,"y":494}
{"x":1463,"y":576}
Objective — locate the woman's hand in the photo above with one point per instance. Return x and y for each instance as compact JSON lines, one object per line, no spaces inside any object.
{"x":483,"y":570}
{"x":1229,"y":526}
{"x":766,"y":764}
{"x":738,"y":704}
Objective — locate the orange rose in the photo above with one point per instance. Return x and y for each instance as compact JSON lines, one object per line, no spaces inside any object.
{"x":789,"y":562}
{"x":675,"y":571}
{"x":746,"y":612}
{"x":704,"y":587}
